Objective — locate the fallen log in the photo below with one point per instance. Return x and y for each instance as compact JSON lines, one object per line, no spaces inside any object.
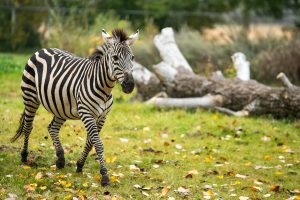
{"x":238,"y":96}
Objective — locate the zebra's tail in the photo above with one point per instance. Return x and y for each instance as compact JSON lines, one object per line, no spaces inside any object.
{"x":20,"y":129}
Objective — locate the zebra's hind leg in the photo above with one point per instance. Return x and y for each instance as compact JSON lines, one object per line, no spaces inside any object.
{"x":53,"y":129}
{"x":28,"y":117}
{"x":87,"y":148}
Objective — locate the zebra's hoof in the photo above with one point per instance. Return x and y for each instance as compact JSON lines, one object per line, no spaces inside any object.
{"x":24,"y":159}
{"x":79,"y":167}
{"x":60,"y":163}
{"x":24,"y":155}
{"x":105,"y":180}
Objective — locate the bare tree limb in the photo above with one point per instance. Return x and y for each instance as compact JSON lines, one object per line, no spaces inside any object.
{"x":286,"y":82}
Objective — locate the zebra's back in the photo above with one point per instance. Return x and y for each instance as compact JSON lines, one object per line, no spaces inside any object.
{"x":52,"y":78}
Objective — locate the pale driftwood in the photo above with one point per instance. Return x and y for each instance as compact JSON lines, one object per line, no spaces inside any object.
{"x":242,"y":66}
{"x":168,"y":49}
{"x":286,"y":82}
{"x":147,"y":82}
{"x":207,"y":101}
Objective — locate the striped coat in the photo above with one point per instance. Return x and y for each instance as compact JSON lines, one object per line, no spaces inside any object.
{"x":71,"y":87}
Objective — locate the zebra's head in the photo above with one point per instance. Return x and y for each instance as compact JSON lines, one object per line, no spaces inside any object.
{"x":121,"y":57}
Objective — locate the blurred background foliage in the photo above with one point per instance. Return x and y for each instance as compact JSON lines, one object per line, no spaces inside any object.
{"x":207,"y":32}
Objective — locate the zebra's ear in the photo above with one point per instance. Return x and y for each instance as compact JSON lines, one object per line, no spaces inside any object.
{"x":107,"y":38}
{"x":132,"y":38}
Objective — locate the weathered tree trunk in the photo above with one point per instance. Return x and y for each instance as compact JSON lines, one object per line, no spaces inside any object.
{"x":184,"y":88}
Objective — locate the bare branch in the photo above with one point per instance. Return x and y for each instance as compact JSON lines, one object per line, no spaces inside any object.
{"x":286,"y":82}
{"x":208,"y":101}
{"x":241,"y":113}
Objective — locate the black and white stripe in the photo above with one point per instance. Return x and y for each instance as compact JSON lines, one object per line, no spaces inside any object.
{"x":71,"y":87}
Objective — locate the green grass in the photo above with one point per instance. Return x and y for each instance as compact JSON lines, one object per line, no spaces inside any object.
{"x":216,"y":145}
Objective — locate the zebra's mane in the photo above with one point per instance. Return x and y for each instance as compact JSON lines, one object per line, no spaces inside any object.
{"x":118,"y":34}
{"x":99,"y":52}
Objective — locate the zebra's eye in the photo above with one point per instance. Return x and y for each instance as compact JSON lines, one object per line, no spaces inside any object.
{"x":132,"y":57}
{"x":115,"y":57}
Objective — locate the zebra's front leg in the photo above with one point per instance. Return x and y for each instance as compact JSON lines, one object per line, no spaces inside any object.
{"x":53,"y":129}
{"x":93,"y":133}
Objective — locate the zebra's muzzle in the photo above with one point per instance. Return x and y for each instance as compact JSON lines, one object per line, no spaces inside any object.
{"x":128,"y":83}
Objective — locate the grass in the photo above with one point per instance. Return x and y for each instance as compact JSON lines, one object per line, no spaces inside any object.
{"x":163,"y":145}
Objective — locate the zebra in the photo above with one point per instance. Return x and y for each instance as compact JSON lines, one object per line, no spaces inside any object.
{"x":76,"y":88}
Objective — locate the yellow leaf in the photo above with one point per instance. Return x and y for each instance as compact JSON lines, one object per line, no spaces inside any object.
{"x":113,"y":178}
{"x":26,"y":167}
{"x":68,"y":184}
{"x":165,"y":190}
{"x":81,"y":192}
{"x":43,"y":187}
{"x":86,"y":184}
{"x":30,"y":187}
{"x":208,"y":159}
{"x":97,"y":177}
{"x":68,"y":197}
{"x":267,"y":157}
{"x":236,"y":183}
{"x":60,"y":176}
{"x":209,"y":192}
{"x":63,"y":183}
{"x":113,"y":159}
{"x":278,"y":173}
{"x":220,"y":177}
{"x":38,"y":176}
{"x":215,"y":117}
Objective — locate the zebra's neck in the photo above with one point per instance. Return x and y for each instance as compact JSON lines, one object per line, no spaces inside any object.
{"x":100,"y":79}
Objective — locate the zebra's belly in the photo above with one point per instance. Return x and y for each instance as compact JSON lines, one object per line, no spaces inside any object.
{"x":63,"y":110}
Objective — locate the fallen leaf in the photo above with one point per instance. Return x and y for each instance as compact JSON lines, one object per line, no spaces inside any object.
{"x":146,"y":129}
{"x":208,"y":159}
{"x":178,"y":146}
{"x":191,"y":173}
{"x":295,"y":191}
{"x":240,"y":176}
{"x":85,"y":184}
{"x":156,"y":166}
{"x":26,"y":167}
{"x":134,"y":168}
{"x":256,"y":188}
{"x":137,"y":186}
{"x":267,"y":195}
{"x":43,"y":187}
{"x":38,"y":176}
{"x":278,"y":173}
{"x":265,"y":138}
{"x":166,"y":143}
{"x":275,"y":188}
{"x":183,"y":191}
{"x":12,"y":196}
{"x":165,"y":190}
{"x":30,"y":187}
{"x":145,"y":193}
{"x":267,"y":157}
{"x":230,"y":173}
{"x":124,"y":140}
{"x":243,"y":198}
